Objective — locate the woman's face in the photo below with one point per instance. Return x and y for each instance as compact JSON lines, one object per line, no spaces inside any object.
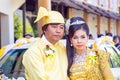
{"x":79,"y":39}
{"x":116,"y":40}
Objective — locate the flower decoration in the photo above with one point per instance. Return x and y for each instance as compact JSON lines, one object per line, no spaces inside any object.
{"x":93,"y":57}
{"x":49,"y":52}
{"x":93,"y":54}
{"x":95,"y":46}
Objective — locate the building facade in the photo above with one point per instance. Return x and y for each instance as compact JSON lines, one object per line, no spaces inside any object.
{"x":101,"y":15}
{"x":7,"y":9}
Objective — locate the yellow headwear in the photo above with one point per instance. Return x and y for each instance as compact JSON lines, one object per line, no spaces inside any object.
{"x":49,"y":16}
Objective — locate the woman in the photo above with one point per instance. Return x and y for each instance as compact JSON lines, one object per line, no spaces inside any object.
{"x":85,"y":63}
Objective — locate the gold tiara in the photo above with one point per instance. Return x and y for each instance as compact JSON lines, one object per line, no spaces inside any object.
{"x":77,"y":22}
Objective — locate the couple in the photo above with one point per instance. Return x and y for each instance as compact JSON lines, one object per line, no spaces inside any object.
{"x":46,"y":59}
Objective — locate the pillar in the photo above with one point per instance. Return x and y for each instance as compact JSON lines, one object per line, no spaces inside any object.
{"x":98,"y":24}
{"x":85,"y":16}
{"x":70,"y":13}
{"x":109,"y":23}
{"x":118,"y":27}
{"x":47,"y":5}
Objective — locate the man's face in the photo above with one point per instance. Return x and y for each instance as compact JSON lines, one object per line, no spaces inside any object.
{"x":54,"y":32}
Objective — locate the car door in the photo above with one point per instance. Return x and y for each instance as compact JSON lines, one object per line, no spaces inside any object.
{"x":11,"y":63}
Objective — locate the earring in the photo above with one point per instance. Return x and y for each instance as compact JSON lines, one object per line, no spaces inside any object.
{"x":71,"y":45}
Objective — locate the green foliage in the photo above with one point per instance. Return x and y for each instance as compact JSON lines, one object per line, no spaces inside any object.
{"x":18,"y":26}
{"x":29,"y":29}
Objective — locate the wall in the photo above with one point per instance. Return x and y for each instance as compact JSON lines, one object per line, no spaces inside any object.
{"x":7,"y":8}
{"x":92,"y":22}
{"x":103,"y":25}
{"x":7,"y":29}
{"x":113,"y":26}
{"x":77,"y":13}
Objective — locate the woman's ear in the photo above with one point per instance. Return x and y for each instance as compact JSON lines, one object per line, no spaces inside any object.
{"x":44,"y":31}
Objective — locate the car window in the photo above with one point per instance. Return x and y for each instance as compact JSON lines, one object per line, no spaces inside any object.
{"x":114,"y":57}
{"x":13,"y":64}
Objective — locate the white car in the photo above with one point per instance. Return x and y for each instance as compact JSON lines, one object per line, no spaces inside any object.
{"x":115,"y":60}
{"x":105,"y":43}
{"x":11,"y":60}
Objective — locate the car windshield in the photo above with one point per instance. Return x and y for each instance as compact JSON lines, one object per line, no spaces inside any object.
{"x":114,"y":57}
{"x":11,"y":63}
{"x":111,"y":49}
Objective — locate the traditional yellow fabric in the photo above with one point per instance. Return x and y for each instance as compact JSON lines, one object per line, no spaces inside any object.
{"x":2,"y":50}
{"x":87,"y":70}
{"x":22,"y":41}
{"x":42,"y":12}
{"x":106,"y":39}
{"x":95,"y":46}
{"x":40,"y":67}
{"x":18,"y":44}
{"x":49,"y":16}
{"x":28,"y":40}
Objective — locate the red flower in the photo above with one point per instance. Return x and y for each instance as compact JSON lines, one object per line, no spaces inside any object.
{"x":47,"y":47}
{"x":49,"y":51}
{"x":96,"y":52}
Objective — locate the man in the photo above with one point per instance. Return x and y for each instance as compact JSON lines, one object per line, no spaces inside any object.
{"x":28,"y":35}
{"x":46,"y":59}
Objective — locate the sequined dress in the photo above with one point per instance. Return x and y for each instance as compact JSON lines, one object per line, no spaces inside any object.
{"x":89,"y":67}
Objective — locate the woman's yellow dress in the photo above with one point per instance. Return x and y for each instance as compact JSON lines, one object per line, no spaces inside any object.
{"x":92,"y":67}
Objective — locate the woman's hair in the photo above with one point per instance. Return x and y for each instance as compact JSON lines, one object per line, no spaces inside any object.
{"x":116,"y":36}
{"x":100,"y":35}
{"x":109,"y":34}
{"x":76,"y":23}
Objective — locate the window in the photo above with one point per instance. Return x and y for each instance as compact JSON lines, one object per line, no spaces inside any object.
{"x":119,"y":10}
{"x":12,"y":63}
{"x":114,"y":57}
{"x":104,"y":4}
{"x":113,"y":5}
{"x":61,"y":8}
{"x":94,"y":2}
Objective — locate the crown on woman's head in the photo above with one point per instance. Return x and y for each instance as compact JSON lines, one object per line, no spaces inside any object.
{"x":77,"y":22}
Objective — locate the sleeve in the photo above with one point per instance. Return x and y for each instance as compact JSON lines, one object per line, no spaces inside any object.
{"x":104,"y":65}
{"x":34,"y":65}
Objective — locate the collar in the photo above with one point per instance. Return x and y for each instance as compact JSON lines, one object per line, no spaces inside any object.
{"x":46,"y":41}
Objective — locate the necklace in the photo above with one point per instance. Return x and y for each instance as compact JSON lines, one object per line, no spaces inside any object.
{"x":79,"y":58}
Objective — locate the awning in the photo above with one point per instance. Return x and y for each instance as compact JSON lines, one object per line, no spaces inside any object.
{"x":89,"y":8}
